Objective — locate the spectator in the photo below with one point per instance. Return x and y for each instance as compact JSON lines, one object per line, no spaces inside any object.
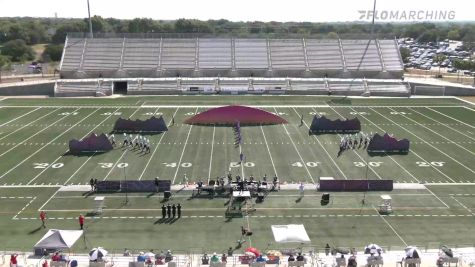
{"x":215,"y":258}
{"x":224,"y":258}
{"x":81,"y":221}
{"x":168,"y":256}
{"x":301,"y":189}
{"x":327,"y":249}
{"x":230,"y":252}
{"x":56,"y":257}
{"x":352,"y":261}
{"x":13,"y":260}
{"x":300,"y":257}
{"x":260,"y":258}
{"x":141,"y":257}
{"x":126,"y":252}
{"x":205,"y":259}
{"x":74,"y":263}
{"x":291,"y":258}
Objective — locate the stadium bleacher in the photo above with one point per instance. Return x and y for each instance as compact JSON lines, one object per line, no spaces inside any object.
{"x":324,"y":54}
{"x":361,"y":55}
{"x":141,"y":54}
{"x":287,"y":54}
{"x":251,"y":54}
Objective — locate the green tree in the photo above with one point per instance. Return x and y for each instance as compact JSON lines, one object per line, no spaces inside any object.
{"x":405,"y":54}
{"x":52,"y":53}
{"x":60,"y":35}
{"x":332,"y":35}
{"x":453,"y":35}
{"x":17,"y":50}
{"x":439,"y":58}
{"x":4,"y":63}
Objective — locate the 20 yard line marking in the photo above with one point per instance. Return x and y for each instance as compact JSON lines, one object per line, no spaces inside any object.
{"x":211,"y":156}
{"x":268,"y":150}
{"x":156,"y":147}
{"x":19,"y":117}
{"x":328,"y":154}
{"x":183,"y":151}
{"x":292,"y":141}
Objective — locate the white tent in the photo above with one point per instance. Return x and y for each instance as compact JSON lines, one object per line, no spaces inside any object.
{"x":58,"y":239}
{"x":291,"y":233}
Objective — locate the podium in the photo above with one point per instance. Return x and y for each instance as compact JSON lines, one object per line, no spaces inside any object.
{"x":98,"y":204}
{"x":386,"y":205}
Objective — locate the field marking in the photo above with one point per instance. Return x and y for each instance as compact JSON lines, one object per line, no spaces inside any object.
{"x":459,"y":121}
{"x":26,"y":206}
{"x":426,"y":143}
{"x":121,"y":156}
{"x":359,"y":156}
{"x":443,"y":124}
{"x":41,"y":148}
{"x":469,"y":108}
{"x":211,"y":156}
{"x":156,"y":146}
{"x":465,"y":207}
{"x":437,"y":198}
{"x":437,"y":133}
{"x":463,"y":100}
{"x":43,"y":129}
{"x":183,"y":151}
{"x":324,"y":149}
{"x":300,"y":156}
{"x":268,"y":150}
{"x":48,"y":167}
{"x":390,"y":226}
{"x":28,"y":124}
{"x":80,"y":167}
{"x":19,"y":117}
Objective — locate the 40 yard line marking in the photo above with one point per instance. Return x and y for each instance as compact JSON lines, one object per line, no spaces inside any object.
{"x":19,"y":117}
{"x":18,"y":129}
{"x":459,"y":121}
{"x":183,"y":151}
{"x":156,"y":146}
{"x":211,"y":156}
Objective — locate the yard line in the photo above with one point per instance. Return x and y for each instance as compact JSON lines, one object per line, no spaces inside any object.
{"x":47,"y":201}
{"x":359,"y":156}
{"x":425,"y":142}
{"x":125,"y":151}
{"x":41,"y":148}
{"x":183,"y":151}
{"x":63,"y":117}
{"x":156,"y":147}
{"x":469,"y":108}
{"x":465,"y":207}
{"x":292,"y":141}
{"x":390,"y":155}
{"x":328,"y":154}
{"x":47,"y":167}
{"x":241,"y":162}
{"x":459,"y":121}
{"x":26,"y":206}
{"x":268,"y":150}
{"x":437,"y":133}
{"x":443,"y":124}
{"x":19,"y":117}
{"x":382,"y":217}
{"x":437,"y":198}
{"x":211,"y":156}
{"x":28,"y":124}
{"x":466,"y":101}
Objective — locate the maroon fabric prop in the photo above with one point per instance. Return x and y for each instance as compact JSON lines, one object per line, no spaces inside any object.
{"x":92,"y":143}
{"x":387,"y":144}
{"x":230,"y":115}
{"x":324,"y":125}
{"x":150,"y":125}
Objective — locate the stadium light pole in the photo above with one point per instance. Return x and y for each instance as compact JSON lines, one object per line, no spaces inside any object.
{"x":90,"y":22}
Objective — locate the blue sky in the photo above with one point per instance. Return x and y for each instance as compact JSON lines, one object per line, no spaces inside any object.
{"x":237,"y":10}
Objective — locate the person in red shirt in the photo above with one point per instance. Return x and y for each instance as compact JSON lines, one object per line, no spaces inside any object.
{"x":13,"y":260}
{"x":56,"y":257}
{"x":81,"y":221}
{"x":43,"y":218}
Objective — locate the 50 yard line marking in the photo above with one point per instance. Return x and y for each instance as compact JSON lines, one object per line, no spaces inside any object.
{"x":156,"y":146}
{"x":328,"y":154}
{"x":268,"y":150}
{"x":183,"y":151}
{"x":211,"y":156}
{"x":300,"y":156}
{"x":19,"y":117}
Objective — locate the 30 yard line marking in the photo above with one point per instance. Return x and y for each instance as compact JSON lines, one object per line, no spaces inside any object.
{"x":18,"y":129}
{"x":38,"y":132}
{"x":58,"y":158}
{"x":19,"y":117}
{"x":183,"y":151}
{"x":328,"y":154}
{"x":359,"y":156}
{"x":156,"y":146}
{"x":268,"y":150}
{"x":300,"y":156}
{"x":459,"y":121}
{"x":211,"y":156}
{"x":125,"y":151}
{"x":405,"y":116}
{"x":461,"y":164}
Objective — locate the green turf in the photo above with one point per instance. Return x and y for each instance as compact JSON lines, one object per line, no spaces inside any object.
{"x":34,"y":134}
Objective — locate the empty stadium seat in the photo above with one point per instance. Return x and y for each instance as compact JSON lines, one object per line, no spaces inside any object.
{"x":361,"y":55}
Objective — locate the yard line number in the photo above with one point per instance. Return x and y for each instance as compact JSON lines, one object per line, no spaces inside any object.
{"x":111,"y":113}
{"x":309,"y":164}
{"x":359,"y":113}
{"x":432,"y":163}
{"x":361,"y":164}
{"x":399,"y":113}
{"x":174,"y":164}
{"x":236,"y":164}
{"x":321,"y":113}
{"x":44,"y":165}
{"x":68,"y":113}
{"x":108,"y":165}
{"x":153,"y":114}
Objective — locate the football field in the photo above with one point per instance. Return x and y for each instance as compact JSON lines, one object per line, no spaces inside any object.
{"x":36,"y":172}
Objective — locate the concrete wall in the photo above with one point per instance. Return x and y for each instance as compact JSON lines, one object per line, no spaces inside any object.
{"x":449,"y":90}
{"x":28,"y":89}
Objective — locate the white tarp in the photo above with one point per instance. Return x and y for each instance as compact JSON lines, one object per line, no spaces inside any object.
{"x":290,"y":233}
{"x":59,"y":239}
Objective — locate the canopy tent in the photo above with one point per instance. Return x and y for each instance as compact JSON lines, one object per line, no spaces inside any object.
{"x":291,"y":233}
{"x":58,"y":239}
